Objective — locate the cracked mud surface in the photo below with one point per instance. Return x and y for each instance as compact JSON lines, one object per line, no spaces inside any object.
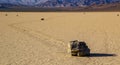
{"x":26,"y":40}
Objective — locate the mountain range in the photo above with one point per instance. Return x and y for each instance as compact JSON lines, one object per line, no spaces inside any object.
{"x":75,"y":3}
{"x":22,"y":2}
{"x":55,"y":3}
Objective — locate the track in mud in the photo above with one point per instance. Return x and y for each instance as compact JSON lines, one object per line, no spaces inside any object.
{"x":59,"y":46}
{"x":106,"y":43}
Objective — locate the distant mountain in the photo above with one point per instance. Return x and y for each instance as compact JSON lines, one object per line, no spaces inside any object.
{"x":75,"y":3}
{"x":7,"y":5}
{"x":22,"y":2}
{"x":54,"y":3}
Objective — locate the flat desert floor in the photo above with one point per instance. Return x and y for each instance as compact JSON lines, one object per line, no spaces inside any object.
{"x":25,"y":39}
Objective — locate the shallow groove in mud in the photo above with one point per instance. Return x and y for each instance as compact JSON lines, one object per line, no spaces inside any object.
{"x":58,"y":44}
{"x":98,"y":38}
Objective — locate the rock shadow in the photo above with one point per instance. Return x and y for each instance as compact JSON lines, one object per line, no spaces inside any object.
{"x":101,"y":55}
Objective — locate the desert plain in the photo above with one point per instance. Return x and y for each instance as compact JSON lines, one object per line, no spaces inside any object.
{"x":25,"y":39}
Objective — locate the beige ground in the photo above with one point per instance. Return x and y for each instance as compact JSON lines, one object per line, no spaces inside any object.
{"x":26,"y":40}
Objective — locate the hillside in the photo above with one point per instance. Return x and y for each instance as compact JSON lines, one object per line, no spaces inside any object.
{"x":57,"y":3}
{"x":114,"y":7}
{"x":75,"y":3}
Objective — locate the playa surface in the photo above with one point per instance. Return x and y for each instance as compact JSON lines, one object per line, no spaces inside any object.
{"x":25,"y":39}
